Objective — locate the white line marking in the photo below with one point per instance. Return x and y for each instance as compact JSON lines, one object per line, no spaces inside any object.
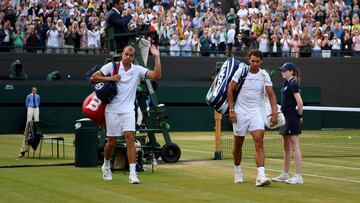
{"x":304,"y":174}
{"x":325,"y":165}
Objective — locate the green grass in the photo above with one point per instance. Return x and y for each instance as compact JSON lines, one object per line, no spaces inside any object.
{"x":195,"y":178}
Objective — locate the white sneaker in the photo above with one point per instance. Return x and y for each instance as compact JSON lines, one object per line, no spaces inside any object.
{"x":133,"y":179}
{"x":238,"y":178}
{"x":106,"y":173}
{"x":262,"y":181}
{"x":281,"y":178}
{"x":296,"y":179}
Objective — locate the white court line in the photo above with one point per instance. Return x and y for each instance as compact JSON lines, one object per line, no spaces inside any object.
{"x":304,"y":162}
{"x":326,"y":165}
{"x":304,"y":174}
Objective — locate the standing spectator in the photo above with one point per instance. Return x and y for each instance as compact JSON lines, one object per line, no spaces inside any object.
{"x":241,"y":46}
{"x":32,"y":103}
{"x":275,"y":47}
{"x":230,"y":38}
{"x":191,"y":8}
{"x":347,"y":45}
{"x":213,"y":39}
{"x":53,"y":41}
{"x":326,"y":47}
{"x":61,"y":32}
{"x":83,"y":37}
{"x":316,"y":50}
{"x":335,"y":46}
{"x":356,"y":43}
{"x":17,"y":38}
{"x":306,"y":46}
{"x":185,"y":45}
{"x":21,"y":22}
{"x":93,"y":35}
{"x":70,"y":37}
{"x":197,"y":23}
{"x":195,"y":45}
{"x":295,"y":46}
{"x":205,"y":43}
{"x":221,"y":39}
{"x":264,"y":44}
{"x":231,"y":16}
{"x":174,"y":46}
{"x":6,"y":37}
{"x":32,"y":39}
{"x":285,"y":44}
{"x":337,"y":30}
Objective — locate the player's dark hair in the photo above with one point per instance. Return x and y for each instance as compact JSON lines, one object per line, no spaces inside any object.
{"x":257,"y":53}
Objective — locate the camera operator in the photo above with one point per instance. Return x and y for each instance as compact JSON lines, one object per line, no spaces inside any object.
{"x":115,"y":18}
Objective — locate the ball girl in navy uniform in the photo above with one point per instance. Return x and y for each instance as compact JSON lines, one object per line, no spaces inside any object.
{"x":290,"y":98}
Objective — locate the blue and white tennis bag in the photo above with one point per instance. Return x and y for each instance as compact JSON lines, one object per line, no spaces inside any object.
{"x":216,"y":96}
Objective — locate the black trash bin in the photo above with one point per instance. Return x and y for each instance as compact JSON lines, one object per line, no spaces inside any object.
{"x":86,"y":143}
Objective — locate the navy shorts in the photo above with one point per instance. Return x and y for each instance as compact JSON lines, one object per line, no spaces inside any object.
{"x":292,"y":125}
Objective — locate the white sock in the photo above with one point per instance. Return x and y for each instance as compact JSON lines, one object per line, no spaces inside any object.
{"x":261,"y":171}
{"x":237,"y":168}
{"x":132,"y":167}
{"x":106,"y":163}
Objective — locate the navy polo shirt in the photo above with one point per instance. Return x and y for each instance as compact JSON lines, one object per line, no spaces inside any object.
{"x":288,"y":101}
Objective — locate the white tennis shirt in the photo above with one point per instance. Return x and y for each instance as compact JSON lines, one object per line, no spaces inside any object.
{"x":124,"y":101}
{"x":252,"y":92}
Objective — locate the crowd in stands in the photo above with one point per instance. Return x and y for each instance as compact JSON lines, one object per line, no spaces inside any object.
{"x":279,"y":28}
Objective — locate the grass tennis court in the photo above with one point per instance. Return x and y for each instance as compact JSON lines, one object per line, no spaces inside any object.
{"x":195,"y":178}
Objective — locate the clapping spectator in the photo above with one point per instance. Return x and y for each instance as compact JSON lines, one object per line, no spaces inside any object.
{"x":347,"y":45}
{"x":356,"y":43}
{"x":53,"y":40}
{"x":335,"y":46}
{"x":6,"y":37}
{"x":174,"y":46}
{"x":17,"y":37}
{"x":326,"y":46}
{"x":285,"y":44}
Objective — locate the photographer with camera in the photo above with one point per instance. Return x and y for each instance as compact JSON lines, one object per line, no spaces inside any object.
{"x":119,"y":22}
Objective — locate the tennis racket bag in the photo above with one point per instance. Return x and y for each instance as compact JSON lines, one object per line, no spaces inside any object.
{"x":106,"y":91}
{"x":216,"y":96}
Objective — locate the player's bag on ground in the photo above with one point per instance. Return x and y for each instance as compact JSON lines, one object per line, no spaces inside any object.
{"x":106,"y":91}
{"x":216,"y":96}
{"x":94,"y":109}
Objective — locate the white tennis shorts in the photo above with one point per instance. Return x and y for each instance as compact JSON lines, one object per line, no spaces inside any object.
{"x":247,"y":123}
{"x":116,"y":124}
